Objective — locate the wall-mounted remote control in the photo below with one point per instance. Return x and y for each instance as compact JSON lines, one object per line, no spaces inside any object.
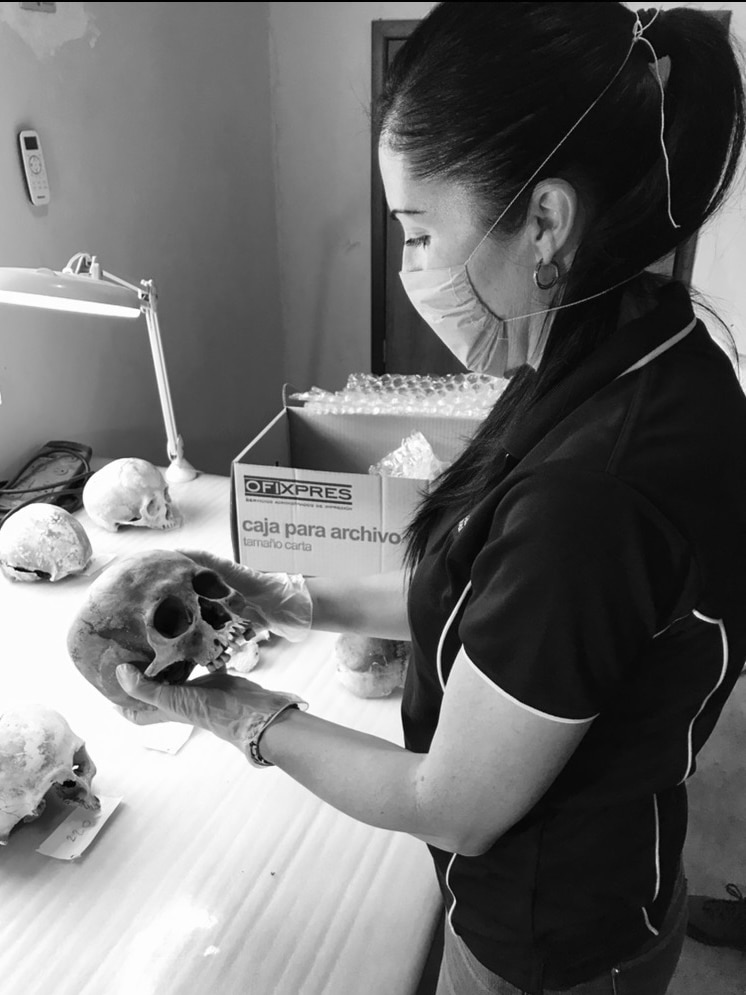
{"x":34,"y":168}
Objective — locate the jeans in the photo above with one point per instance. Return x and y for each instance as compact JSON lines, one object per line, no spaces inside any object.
{"x":648,"y":973}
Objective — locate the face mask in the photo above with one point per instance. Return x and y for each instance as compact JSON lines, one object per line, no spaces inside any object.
{"x":446,"y":300}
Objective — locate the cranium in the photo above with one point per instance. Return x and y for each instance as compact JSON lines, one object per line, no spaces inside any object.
{"x":130,"y":492}
{"x":43,"y":542}
{"x":162,"y":612}
{"x":371,"y":667}
{"x":38,"y":751}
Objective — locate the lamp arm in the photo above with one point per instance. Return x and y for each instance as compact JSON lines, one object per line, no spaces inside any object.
{"x":180,"y":469}
{"x":149,"y":298}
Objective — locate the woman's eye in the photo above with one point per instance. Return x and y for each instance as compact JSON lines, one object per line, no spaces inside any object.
{"x":419,"y":240}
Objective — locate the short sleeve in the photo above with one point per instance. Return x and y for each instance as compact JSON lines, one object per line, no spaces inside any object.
{"x":571,"y":584}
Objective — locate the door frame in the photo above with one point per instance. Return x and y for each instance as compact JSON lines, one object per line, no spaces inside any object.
{"x":383,"y":33}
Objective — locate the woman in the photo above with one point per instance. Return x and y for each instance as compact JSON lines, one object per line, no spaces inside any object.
{"x":576,"y":580}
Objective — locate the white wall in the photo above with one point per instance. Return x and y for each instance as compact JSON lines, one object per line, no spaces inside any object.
{"x":320,"y":97}
{"x":321,"y":71}
{"x":155,"y":124}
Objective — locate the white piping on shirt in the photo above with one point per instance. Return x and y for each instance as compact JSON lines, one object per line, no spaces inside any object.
{"x":649,"y":925}
{"x":723,"y":670}
{"x":663,"y":347}
{"x":439,"y":665}
{"x":724,"y":639}
{"x":657,"y":848}
{"x":453,"y":893}
{"x":521,"y":704}
{"x":679,"y":619}
{"x":444,"y":633}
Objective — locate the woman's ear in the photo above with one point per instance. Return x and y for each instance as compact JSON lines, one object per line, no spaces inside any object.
{"x":554,"y":221}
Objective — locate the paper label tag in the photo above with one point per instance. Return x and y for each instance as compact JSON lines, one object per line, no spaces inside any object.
{"x":76,"y":833}
{"x":166,"y":737}
{"x":97,"y":563}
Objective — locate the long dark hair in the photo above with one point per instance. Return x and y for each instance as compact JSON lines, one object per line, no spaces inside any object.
{"x":482,"y":92}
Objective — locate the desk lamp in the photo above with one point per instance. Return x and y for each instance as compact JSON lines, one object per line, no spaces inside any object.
{"x":84,"y":288}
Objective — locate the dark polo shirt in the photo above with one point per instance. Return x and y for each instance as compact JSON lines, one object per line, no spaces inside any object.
{"x":603,"y":577}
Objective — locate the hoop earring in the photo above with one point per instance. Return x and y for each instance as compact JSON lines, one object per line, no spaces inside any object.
{"x":555,"y":275}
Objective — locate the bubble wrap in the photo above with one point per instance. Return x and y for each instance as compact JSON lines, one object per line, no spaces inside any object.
{"x":414,"y":458}
{"x":465,"y":395}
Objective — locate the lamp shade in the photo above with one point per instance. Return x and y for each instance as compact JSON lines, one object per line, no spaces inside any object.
{"x":46,"y":288}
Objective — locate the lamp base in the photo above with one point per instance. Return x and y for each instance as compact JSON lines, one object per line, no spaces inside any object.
{"x":180,"y":471}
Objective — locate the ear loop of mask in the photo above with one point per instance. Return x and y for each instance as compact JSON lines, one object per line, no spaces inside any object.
{"x":638,"y":34}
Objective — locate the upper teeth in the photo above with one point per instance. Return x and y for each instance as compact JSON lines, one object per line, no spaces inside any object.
{"x":233,"y":638}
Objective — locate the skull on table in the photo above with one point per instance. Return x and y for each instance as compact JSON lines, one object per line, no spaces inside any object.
{"x":39,"y":751}
{"x":43,"y":542}
{"x":162,"y":612}
{"x":370,"y":667}
{"x":130,"y":491}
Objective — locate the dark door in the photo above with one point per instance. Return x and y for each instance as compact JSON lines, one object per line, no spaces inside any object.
{"x":401,"y":341}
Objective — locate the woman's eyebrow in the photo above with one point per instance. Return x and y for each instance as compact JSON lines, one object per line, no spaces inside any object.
{"x":405,"y":210}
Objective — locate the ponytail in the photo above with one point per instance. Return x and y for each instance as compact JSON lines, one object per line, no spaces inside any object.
{"x":704,"y":109}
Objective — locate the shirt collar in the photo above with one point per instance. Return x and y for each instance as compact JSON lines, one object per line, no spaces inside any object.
{"x":631,"y":347}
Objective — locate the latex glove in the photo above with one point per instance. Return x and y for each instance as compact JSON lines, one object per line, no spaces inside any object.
{"x":232,"y":708}
{"x":279,"y":602}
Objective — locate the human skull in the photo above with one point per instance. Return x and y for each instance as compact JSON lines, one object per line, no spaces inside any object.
{"x":162,"y":612}
{"x":130,"y":492}
{"x":371,"y":667}
{"x":43,"y":542}
{"x":38,"y":751}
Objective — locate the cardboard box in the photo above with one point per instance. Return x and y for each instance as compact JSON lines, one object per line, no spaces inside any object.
{"x":302,"y":499}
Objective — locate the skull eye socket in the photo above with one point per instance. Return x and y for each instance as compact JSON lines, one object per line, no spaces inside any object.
{"x":171,"y":618}
{"x":152,"y":506}
{"x":207,"y":584}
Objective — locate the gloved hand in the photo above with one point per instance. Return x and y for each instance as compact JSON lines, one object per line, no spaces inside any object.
{"x":231,"y":708}
{"x":279,"y":602}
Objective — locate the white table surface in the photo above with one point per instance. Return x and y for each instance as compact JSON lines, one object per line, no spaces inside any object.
{"x":211,"y":876}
